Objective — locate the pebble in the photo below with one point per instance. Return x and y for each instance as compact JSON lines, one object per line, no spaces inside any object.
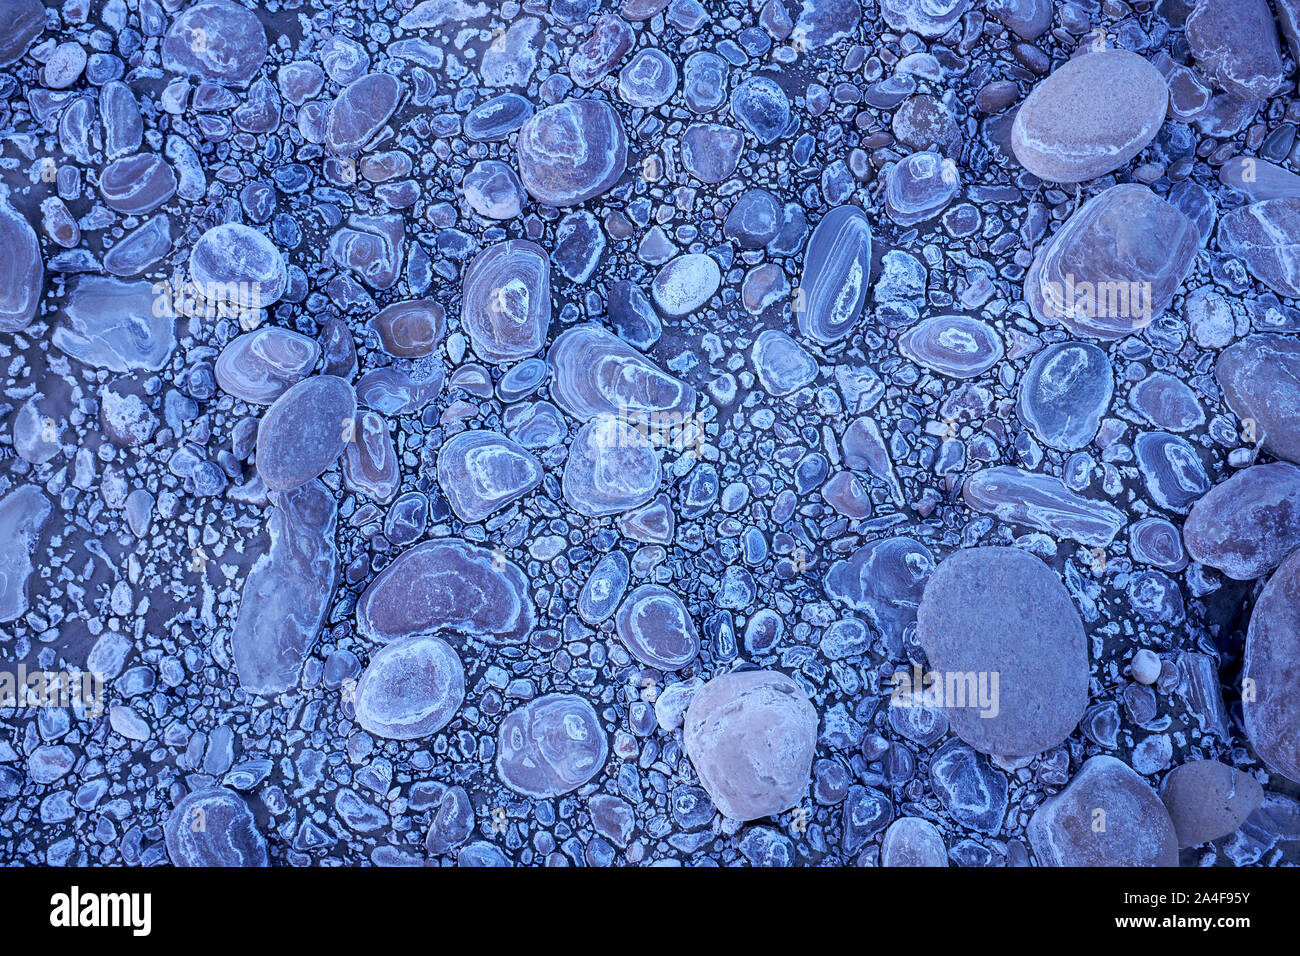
{"x":750,"y":736}
{"x":1208,"y":800}
{"x":1107,"y":816}
{"x":1247,"y":525}
{"x":1007,"y":644}
{"x":1090,"y":116}
{"x":410,"y":689}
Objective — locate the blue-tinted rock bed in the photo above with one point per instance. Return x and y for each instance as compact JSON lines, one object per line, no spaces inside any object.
{"x":575,"y":432}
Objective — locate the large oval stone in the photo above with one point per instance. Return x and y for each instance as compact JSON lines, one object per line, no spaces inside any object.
{"x":1247,"y":525}
{"x":836,"y":274}
{"x":1114,"y":266}
{"x":1259,"y":377}
{"x":571,"y":152}
{"x":216,"y":40}
{"x":594,"y":372}
{"x":1266,"y":237}
{"x":22,"y":271}
{"x":1091,"y":115}
{"x":657,"y":628}
{"x":1106,"y":816}
{"x":482,"y":472}
{"x":751,"y":736}
{"x":928,"y":18}
{"x":550,"y":746}
{"x":214,"y":827}
{"x":506,"y":301}
{"x":611,"y":468}
{"x":304,"y":432}
{"x":359,"y":112}
{"x":448,"y":586}
{"x":1064,"y":393}
{"x":1236,"y":42}
{"x":261,"y":365}
{"x":1171,"y":470}
{"x":1006,"y":649}
{"x":410,"y":689}
{"x":1270,"y":673}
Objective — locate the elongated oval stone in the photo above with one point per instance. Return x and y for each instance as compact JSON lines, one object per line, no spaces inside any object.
{"x":1064,"y":393}
{"x":287,"y":591}
{"x":1000,"y":614}
{"x":22,"y":271}
{"x":594,"y":372}
{"x":482,"y":472}
{"x":410,"y":329}
{"x":836,"y":274}
{"x":1114,"y":266}
{"x":604,"y":588}
{"x":1091,"y":115}
{"x":448,"y":586}
{"x":214,"y":827}
{"x":394,"y":392}
{"x":1167,"y":402}
{"x":1272,"y":650}
{"x":235,"y":263}
{"x":751,"y":736}
{"x":496,"y":118}
{"x":410,"y":689}
{"x":657,"y":628}
{"x":1258,"y":376}
{"x":953,"y":345}
{"x":506,"y":301}
{"x":261,"y":365}
{"x":1266,"y":237}
{"x":304,"y":432}
{"x":1137,"y":830}
{"x":216,"y":40}
{"x":550,"y":746}
{"x":611,"y":468}
{"x":359,"y":112}
{"x":1042,"y":502}
{"x":1171,"y":470}
{"x":23,"y":513}
{"x":571,"y":152}
{"x":370,"y":461}
{"x":1247,"y":525}
{"x":136,"y":185}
